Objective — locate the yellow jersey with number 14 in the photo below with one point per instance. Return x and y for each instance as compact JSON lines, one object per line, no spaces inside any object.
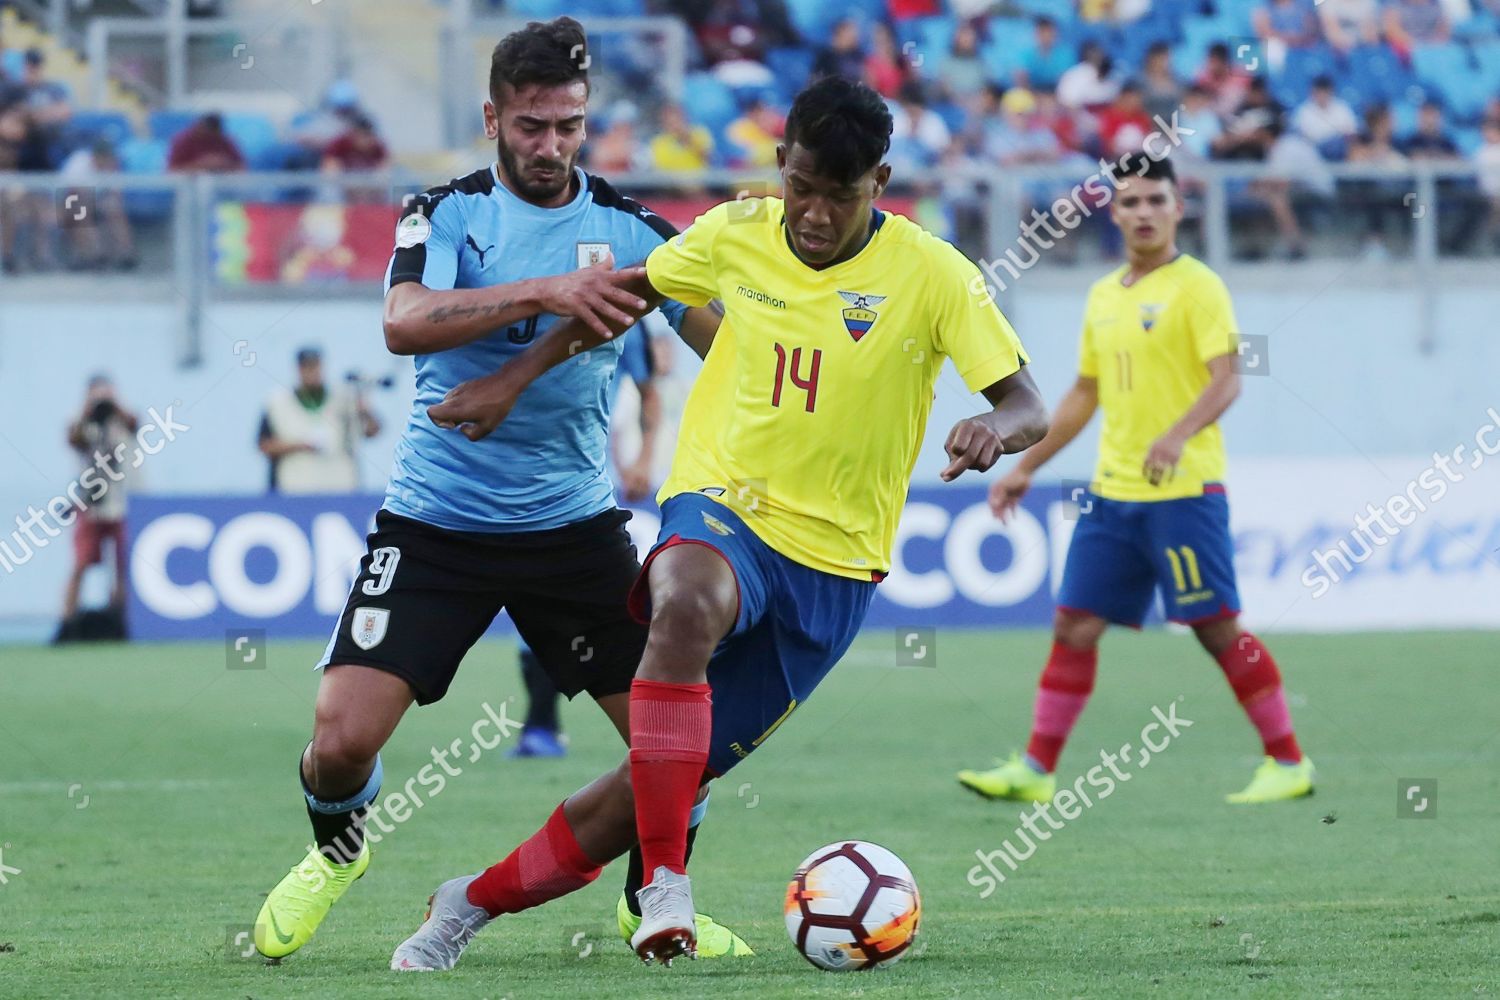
{"x":1149,"y":345}
{"x":810,"y":409}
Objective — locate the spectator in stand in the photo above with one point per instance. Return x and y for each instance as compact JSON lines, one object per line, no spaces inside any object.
{"x":1350,"y":23}
{"x":1376,"y":146}
{"x":311,"y":435}
{"x":1283,"y":25}
{"x":844,"y":56}
{"x":1045,"y":60}
{"x":1431,"y":140}
{"x":311,"y":132}
{"x":102,"y":238}
{"x":1016,"y":137}
{"x":906,"y":10}
{"x":1409,"y":23}
{"x":1060,"y":121}
{"x":736,"y":30}
{"x":204,"y":146}
{"x":755,"y":134}
{"x":681,"y":146}
{"x":1160,"y":88}
{"x":357,"y":148}
{"x":962,"y":74}
{"x":1487,"y":162}
{"x":47,"y":99}
{"x":1250,"y":131}
{"x":1326,"y":120}
{"x":1226,"y":82}
{"x":886,"y":68}
{"x":616,"y":150}
{"x":1293,"y":165}
{"x":1124,"y":125}
{"x":919,"y":137}
{"x":1113,"y":11}
{"x":1200,"y":124}
{"x":1091,"y":83}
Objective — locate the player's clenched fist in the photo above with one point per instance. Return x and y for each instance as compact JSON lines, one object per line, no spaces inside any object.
{"x":597,"y":295}
{"x":1007,"y":491}
{"x":972,"y":444}
{"x":475,"y":407}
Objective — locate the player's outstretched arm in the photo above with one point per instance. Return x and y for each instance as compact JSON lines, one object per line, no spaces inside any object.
{"x":1017,"y":421}
{"x":422,"y":320}
{"x":1073,"y":414}
{"x":478,"y":406}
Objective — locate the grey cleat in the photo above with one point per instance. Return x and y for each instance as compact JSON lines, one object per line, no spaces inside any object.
{"x":668,"y":927}
{"x":452,"y":921}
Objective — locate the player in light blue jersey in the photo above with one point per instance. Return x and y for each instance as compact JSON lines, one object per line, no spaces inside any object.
{"x":527,"y":522}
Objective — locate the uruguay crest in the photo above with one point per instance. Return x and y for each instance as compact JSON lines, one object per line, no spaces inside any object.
{"x":1150,"y":312}
{"x":860,"y":315}
{"x":367,"y":627}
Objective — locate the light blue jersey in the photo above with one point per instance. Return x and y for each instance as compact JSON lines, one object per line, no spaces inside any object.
{"x":547,"y":465}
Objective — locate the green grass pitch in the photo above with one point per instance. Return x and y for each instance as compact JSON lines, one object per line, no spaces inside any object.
{"x":147,"y":801}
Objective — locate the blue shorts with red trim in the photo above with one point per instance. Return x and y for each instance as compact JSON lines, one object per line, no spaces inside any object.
{"x":1122,"y":552}
{"x":794,"y":624}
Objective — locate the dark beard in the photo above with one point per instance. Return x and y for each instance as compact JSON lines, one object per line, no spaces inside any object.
{"x":532,"y":192}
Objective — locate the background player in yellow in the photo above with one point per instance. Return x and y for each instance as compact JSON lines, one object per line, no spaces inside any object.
{"x":1158,"y":356}
{"x":797,"y":444}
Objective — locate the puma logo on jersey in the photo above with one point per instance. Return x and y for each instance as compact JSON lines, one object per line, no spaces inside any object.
{"x":470,"y":240}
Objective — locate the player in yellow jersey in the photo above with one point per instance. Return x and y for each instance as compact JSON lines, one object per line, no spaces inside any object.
{"x":1158,"y":357}
{"x":792,"y":465}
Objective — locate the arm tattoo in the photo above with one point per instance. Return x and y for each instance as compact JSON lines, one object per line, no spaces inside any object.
{"x":441,"y":314}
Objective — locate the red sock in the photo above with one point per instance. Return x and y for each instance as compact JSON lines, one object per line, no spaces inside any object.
{"x":548,"y":865}
{"x":1066,"y":683}
{"x":1257,"y":684}
{"x":669,"y":731}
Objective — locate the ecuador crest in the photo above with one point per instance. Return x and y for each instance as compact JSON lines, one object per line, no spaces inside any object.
{"x":1150,"y":312}
{"x":860,"y":315}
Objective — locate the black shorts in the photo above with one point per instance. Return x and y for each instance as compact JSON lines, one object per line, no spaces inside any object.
{"x":425,"y":595}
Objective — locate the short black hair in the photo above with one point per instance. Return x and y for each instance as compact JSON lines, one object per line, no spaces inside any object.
{"x":844,"y":124}
{"x":1322,"y":82}
{"x":1146,"y":167}
{"x":546,"y":52}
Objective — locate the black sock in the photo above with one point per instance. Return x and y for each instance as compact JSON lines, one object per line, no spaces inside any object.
{"x":541,"y":696}
{"x":635,"y":876}
{"x":340,"y":836}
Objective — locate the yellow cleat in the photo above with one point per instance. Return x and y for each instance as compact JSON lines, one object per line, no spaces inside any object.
{"x":300,"y":901}
{"x":714,"y":939}
{"x":1014,"y":779}
{"x":1274,"y":782}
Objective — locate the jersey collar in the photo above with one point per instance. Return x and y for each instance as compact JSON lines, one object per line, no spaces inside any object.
{"x":877,"y":219}
{"x":520,"y":206}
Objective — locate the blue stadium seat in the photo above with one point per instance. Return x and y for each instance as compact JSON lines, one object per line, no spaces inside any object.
{"x":708,"y":101}
{"x":256,"y":138}
{"x":145,"y":156}
{"x":1487,"y":56}
{"x":13,"y":63}
{"x":166,"y":123}
{"x":1002,"y":51}
{"x":536,"y":8}
{"x":1468,"y":140}
{"x":813,"y":19}
{"x":1198,"y":34}
{"x":86,"y":126}
{"x":792,"y":67}
{"x":1440,"y":65}
{"x":1378,"y":73}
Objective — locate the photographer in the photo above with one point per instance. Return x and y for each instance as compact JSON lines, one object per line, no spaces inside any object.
{"x":100,"y":435}
{"x":311,"y":434}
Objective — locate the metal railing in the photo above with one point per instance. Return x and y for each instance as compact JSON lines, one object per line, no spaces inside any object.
{"x":209,"y":238}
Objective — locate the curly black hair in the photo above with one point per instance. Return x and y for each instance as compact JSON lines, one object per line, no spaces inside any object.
{"x":844,"y":124}
{"x":545,"y":52}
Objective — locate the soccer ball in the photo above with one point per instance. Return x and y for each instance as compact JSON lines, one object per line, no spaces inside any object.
{"x":852,"y":905}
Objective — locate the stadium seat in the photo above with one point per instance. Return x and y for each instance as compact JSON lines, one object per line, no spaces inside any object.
{"x":1442,"y":67}
{"x":166,"y":123}
{"x":708,"y":101}
{"x":792,"y":67}
{"x":86,"y":126}
{"x":544,"y":9}
{"x":1001,"y":52}
{"x":256,"y":137}
{"x":1487,"y":56}
{"x":145,"y":156}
